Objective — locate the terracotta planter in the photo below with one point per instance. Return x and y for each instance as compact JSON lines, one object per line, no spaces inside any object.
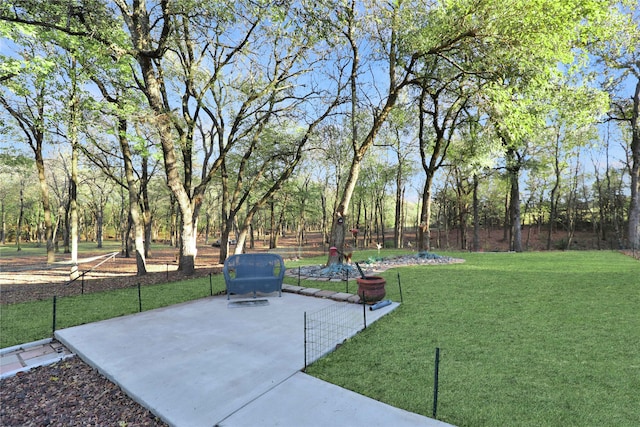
{"x":372,"y":287}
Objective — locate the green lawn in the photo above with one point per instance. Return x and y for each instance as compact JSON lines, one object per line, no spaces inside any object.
{"x":533,"y":339}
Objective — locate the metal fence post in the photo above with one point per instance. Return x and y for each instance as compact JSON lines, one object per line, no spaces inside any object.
{"x":364,"y":310}
{"x":435,"y":382}
{"x":347,"y":290}
{"x":53,"y":327}
{"x":305,"y":342}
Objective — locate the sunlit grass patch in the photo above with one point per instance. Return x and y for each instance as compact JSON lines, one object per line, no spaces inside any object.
{"x":526,"y":339}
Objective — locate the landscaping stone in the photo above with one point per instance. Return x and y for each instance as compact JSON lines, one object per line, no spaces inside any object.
{"x":370,"y":266}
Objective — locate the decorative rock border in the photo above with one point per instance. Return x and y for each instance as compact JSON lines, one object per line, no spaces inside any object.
{"x":370,"y":268}
{"x":321,"y":293}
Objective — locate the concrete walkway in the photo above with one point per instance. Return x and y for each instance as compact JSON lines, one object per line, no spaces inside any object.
{"x":209,"y":363}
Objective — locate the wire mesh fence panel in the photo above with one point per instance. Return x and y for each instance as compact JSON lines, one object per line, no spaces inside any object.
{"x":329,"y":327}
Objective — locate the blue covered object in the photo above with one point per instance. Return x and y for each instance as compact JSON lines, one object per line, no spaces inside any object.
{"x":253,"y":273}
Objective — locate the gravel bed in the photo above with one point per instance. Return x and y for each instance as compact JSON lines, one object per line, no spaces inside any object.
{"x":372,"y":265}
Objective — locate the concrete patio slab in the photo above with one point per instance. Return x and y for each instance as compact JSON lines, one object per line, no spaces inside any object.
{"x":203,"y":363}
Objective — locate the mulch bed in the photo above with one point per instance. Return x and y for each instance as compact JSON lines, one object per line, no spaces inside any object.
{"x":68,"y":393}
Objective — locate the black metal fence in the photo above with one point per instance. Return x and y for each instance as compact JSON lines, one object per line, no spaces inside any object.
{"x":30,"y":321}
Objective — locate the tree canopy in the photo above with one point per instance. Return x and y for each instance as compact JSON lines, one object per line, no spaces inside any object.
{"x":232,"y":99}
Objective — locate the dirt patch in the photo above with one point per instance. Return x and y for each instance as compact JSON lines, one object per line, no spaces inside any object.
{"x":21,"y":280}
{"x":26,"y":278}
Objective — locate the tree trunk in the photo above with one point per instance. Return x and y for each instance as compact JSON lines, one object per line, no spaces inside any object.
{"x":430,"y":165}
{"x":572,"y":208}
{"x":66,"y":229}
{"x":301,"y":216}
{"x":188,"y":232}
{"x":73,"y":184}
{"x":280,"y":226}
{"x":403,"y":218}
{"x":338,"y":228}
{"x":325,"y":220}
{"x":463,"y":212}
{"x":554,"y":197}
{"x":188,"y":250}
{"x":20,"y":217}
{"x":99,"y":224}
{"x":35,"y":136}
{"x":134,"y":212}
{"x":3,"y":227}
{"x":634,"y":172}
{"x":381,"y":209}
{"x":73,"y":211}
{"x":506,"y":229}
{"x":476,"y":214}
{"x":397,"y":226}
{"x":207,"y":228}
{"x":366,"y":225}
{"x":173,"y":222}
{"x":147,"y":218}
{"x":424,"y":228}
{"x":514,"y":205}
{"x":272,"y":226}
{"x":46,"y":204}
